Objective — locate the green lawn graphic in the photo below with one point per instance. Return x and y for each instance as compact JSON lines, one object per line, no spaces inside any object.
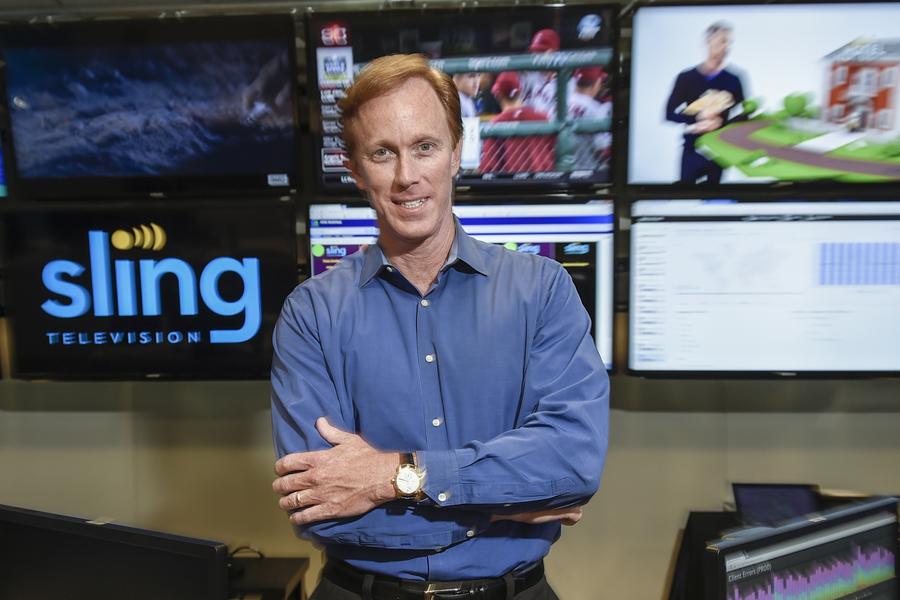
{"x":758,"y":162}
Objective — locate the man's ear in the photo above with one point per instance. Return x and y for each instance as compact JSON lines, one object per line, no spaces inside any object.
{"x":351,"y":165}
{"x":455,"y":159}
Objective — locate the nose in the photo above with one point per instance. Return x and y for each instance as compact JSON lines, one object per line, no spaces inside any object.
{"x":407,"y":171}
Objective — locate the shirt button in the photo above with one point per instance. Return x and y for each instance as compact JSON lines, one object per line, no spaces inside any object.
{"x":429,"y":358}
{"x":470,"y":533}
{"x":436,"y":422}
{"x":442,"y":497}
{"x":389,"y":269}
{"x":425,"y":302}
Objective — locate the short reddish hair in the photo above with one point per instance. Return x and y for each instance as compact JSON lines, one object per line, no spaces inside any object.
{"x":384,"y":75}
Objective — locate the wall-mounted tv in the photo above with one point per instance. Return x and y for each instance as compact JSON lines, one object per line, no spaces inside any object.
{"x":535,"y":84}
{"x":192,"y":106}
{"x":579,"y":236}
{"x":764,"y":288}
{"x":765,"y":94}
{"x":183,"y":291}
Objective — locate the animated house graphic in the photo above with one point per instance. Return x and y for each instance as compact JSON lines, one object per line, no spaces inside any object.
{"x":853,"y":137}
{"x":863,"y":85}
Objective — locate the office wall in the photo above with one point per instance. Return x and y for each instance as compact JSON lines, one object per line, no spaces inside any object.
{"x":196,"y":459}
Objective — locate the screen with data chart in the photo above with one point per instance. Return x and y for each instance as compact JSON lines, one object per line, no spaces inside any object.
{"x":768,"y":287}
{"x":847,"y":554}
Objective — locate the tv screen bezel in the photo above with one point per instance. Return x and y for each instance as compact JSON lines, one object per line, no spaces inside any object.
{"x":274,"y":28}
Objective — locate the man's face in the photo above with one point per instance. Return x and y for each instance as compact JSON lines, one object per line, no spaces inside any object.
{"x":718,"y":45}
{"x":467,"y":83}
{"x":404,"y":160}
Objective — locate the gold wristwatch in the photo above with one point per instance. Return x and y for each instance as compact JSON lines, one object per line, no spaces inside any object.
{"x":409,"y":480}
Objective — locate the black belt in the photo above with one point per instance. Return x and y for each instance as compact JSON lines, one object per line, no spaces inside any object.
{"x":383,"y":587}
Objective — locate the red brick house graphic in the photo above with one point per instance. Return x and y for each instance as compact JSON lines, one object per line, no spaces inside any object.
{"x":863,"y":85}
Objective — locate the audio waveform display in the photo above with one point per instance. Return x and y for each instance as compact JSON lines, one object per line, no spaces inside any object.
{"x":830,"y":578}
{"x":857,"y":263}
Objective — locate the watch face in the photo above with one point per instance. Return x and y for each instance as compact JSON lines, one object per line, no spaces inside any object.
{"x":407,"y":481}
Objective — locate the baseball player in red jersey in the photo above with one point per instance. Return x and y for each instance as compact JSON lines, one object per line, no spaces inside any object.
{"x":539,"y":87}
{"x":583,"y":104}
{"x":519,"y":154}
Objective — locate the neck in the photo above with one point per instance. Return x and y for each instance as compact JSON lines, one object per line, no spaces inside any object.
{"x":710,"y":66}
{"x":420,"y":263}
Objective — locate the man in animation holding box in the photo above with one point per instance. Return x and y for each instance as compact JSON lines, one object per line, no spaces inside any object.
{"x":439,"y":406}
{"x":702,"y":98}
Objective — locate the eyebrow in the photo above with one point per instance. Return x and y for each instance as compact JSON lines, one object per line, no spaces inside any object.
{"x":417,"y":139}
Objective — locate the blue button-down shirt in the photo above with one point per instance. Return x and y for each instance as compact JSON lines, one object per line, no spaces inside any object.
{"x":491,"y":376}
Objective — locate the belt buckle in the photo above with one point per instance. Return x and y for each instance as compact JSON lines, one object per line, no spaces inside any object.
{"x":435,"y":591}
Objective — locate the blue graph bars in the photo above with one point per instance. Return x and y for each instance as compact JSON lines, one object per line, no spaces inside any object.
{"x":859,"y":263}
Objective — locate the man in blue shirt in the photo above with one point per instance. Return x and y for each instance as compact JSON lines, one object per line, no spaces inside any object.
{"x":438,"y":403}
{"x":702,"y":98}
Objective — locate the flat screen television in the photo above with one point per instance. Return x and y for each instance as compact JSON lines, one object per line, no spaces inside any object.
{"x":765,"y":288}
{"x":189,"y":106}
{"x":180,"y":291}
{"x":544,"y":123}
{"x":765,"y":94}
{"x":579,"y":236}
{"x":46,"y":556}
{"x":845,"y":553}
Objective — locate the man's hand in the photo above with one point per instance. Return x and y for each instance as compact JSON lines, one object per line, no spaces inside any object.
{"x":567,"y":516}
{"x":349,"y":479}
{"x":706,"y":125}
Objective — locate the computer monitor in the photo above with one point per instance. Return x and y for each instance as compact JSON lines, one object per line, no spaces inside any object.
{"x":47,"y":556}
{"x":771,"y":503}
{"x":579,"y":236}
{"x":766,"y":288}
{"x":846,"y":553}
{"x":765,"y":93}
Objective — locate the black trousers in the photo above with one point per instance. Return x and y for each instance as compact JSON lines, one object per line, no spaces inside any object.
{"x":694,"y":166}
{"x":330,"y":591}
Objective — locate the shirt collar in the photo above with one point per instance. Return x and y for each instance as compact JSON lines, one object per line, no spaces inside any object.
{"x":467,"y":249}
{"x":464,"y":249}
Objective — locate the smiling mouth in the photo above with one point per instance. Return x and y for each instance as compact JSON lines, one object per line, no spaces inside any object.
{"x":411,"y":204}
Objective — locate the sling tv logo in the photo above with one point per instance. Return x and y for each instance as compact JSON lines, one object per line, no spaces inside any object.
{"x":131,"y":288}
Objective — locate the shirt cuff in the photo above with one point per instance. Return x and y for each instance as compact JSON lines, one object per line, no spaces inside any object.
{"x":441,"y":476}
